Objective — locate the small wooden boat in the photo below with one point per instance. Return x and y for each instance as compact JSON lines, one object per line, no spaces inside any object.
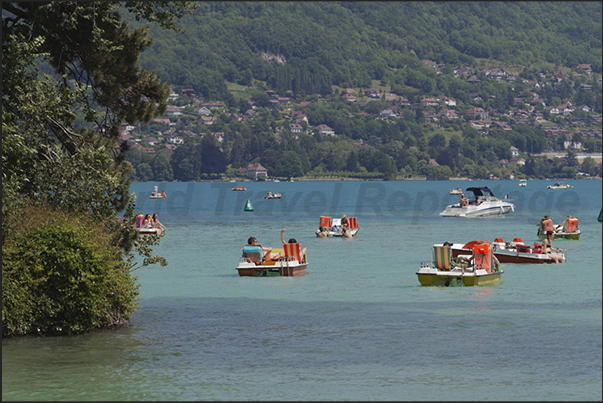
{"x":456,"y":191}
{"x":282,"y":262}
{"x":510,"y":252}
{"x":566,"y":230}
{"x":239,"y":188}
{"x":333,"y":226}
{"x":475,"y":268}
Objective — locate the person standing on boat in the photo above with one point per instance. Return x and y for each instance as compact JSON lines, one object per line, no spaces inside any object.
{"x":155,"y":189}
{"x":345,"y":226}
{"x":547,"y":248}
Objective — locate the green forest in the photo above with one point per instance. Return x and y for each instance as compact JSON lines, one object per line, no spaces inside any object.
{"x":232,"y":52}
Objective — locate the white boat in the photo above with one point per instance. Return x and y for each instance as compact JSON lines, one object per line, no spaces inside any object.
{"x":282,"y":262}
{"x":273,"y":196}
{"x":333,"y":226}
{"x":483,"y":204}
{"x":559,"y":186}
{"x":523,"y":183}
{"x":478,"y":267}
{"x":160,"y":195}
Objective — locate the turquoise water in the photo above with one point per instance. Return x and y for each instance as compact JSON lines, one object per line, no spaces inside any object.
{"x":358,"y":326}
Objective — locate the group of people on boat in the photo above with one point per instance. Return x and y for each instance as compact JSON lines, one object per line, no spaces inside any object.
{"x":253,"y":242}
{"x":546,"y":224}
{"x":345,"y":228}
{"x":151,"y":221}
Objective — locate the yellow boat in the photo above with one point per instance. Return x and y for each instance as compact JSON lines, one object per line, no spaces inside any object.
{"x":478,"y":268}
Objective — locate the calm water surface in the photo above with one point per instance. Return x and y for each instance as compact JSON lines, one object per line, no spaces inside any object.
{"x":358,"y":326}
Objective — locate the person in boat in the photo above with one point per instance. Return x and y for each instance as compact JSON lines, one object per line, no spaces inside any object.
{"x":540,"y":224}
{"x":323,"y":232}
{"x":147,"y":222}
{"x":157,"y":225}
{"x":463,"y":201}
{"x":269,"y":195}
{"x":252,"y":241}
{"x":293,"y":240}
{"x":547,"y":248}
{"x":154,"y":192}
{"x":345,"y":226}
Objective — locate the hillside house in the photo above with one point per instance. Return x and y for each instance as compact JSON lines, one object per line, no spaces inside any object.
{"x":207,"y":120}
{"x":296,"y":128}
{"x":325,"y":130}
{"x":514,"y":151}
{"x":463,"y":71}
{"x":173,"y":111}
{"x":202,"y":110}
{"x":151,"y":141}
{"x":174,"y":139}
{"x":213,"y":105}
{"x":371,"y":93}
{"x":473,"y":80}
{"x":477,"y":113}
{"x":446,"y":100}
{"x":448,"y":114}
{"x":585,"y":67}
{"x":429,"y":102}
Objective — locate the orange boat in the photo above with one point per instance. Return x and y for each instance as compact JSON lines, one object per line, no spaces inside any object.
{"x":239,"y":188}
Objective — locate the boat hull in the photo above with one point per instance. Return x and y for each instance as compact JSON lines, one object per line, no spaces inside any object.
{"x":470,"y":211}
{"x":563,"y":235}
{"x":276,"y":270}
{"x":510,"y":256}
{"x":444,"y":279}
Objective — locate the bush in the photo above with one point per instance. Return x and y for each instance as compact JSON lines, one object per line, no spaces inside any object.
{"x":61,"y":275}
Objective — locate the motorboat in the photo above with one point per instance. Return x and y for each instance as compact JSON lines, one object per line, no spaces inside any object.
{"x":456,"y":191}
{"x":281,"y":262}
{"x":523,"y":183}
{"x":568,"y":229}
{"x":160,"y":195}
{"x":273,"y":196}
{"x":482,"y":204}
{"x":476,"y":267}
{"x":510,"y":252}
{"x":333,"y":226}
{"x":559,"y":186}
{"x":239,"y":188}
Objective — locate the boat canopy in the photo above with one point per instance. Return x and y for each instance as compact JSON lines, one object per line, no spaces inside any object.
{"x":480,"y":191}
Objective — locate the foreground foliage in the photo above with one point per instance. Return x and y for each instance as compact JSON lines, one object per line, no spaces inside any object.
{"x":61,"y":274}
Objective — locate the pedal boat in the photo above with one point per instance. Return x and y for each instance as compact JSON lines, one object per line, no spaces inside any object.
{"x":567,"y":230}
{"x":157,"y":195}
{"x":476,"y":268}
{"x":239,"y":188}
{"x":280,"y":263}
{"x":511,"y":252}
{"x":483,"y":204}
{"x":273,"y":196}
{"x":334,"y":226}
{"x":456,"y":191}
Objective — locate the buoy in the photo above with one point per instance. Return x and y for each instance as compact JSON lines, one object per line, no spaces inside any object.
{"x":248,"y":206}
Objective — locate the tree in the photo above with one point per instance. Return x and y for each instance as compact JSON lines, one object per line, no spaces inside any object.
{"x":50,"y":164}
